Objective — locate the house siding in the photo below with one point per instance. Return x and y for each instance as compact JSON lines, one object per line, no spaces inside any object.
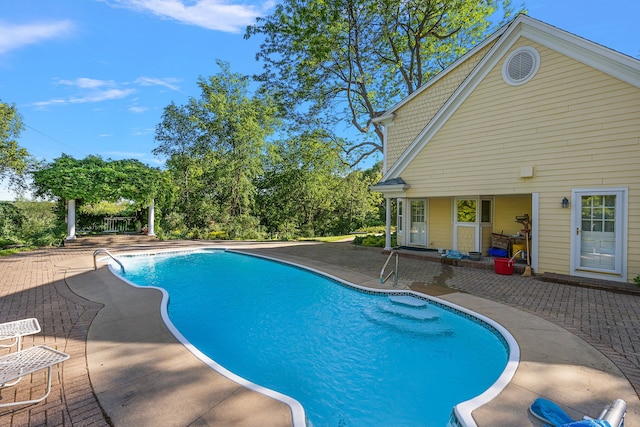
{"x":507,"y":208}
{"x":576,"y":126}
{"x":440,"y":225}
{"x":412,"y":118}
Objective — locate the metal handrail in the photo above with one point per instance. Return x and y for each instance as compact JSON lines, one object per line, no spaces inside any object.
{"x":104,"y":251}
{"x":393,"y":273}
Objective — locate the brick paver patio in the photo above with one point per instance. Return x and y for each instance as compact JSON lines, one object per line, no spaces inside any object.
{"x":32,"y":284}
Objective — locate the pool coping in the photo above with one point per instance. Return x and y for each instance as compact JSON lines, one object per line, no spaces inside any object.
{"x":461,"y":413}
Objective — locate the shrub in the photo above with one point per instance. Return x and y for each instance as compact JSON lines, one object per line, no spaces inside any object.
{"x":217,"y":235}
{"x":374,"y":240}
{"x":31,"y":223}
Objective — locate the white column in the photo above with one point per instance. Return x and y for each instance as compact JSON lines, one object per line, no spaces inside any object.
{"x":387,"y":239}
{"x":151,"y":219}
{"x":71,"y":220}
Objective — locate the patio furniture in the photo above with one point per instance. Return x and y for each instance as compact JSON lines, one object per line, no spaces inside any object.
{"x":24,"y":362}
{"x":16,"y":330}
{"x":549,"y":412}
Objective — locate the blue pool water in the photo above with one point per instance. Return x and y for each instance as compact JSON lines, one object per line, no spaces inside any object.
{"x":351,"y":358}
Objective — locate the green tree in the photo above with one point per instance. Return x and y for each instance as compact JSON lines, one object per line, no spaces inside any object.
{"x":363,"y":55}
{"x":298,"y":191}
{"x":215,"y":145}
{"x":358,"y":206}
{"x":14,"y":160}
{"x":41,"y":225}
{"x":177,"y":136}
{"x":30,"y":223}
{"x":11,"y":220}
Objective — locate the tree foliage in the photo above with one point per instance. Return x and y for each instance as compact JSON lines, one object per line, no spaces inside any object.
{"x":13,"y":158}
{"x":232,"y":177}
{"x":214,"y":148}
{"x":353,"y":59}
{"x":29,"y":223}
{"x":93,"y":179}
{"x":296,"y":190}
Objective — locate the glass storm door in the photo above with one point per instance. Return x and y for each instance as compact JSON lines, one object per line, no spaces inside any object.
{"x":598,"y":238}
{"x":418,"y":226}
{"x":466,"y":226}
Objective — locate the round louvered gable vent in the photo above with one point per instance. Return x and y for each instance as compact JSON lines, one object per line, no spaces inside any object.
{"x":521,"y":66}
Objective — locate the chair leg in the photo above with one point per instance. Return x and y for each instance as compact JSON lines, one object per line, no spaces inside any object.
{"x":29,"y":402}
{"x":15,"y":340}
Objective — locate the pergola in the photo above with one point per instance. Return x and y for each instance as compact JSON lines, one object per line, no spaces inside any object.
{"x":93,"y":179}
{"x":71,"y":219}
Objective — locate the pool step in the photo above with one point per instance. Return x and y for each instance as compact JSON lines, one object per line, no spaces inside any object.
{"x":407,"y":300}
{"x":404,"y":324}
{"x":409,"y":312}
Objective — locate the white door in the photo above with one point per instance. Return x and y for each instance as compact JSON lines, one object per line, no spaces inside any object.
{"x":418,"y":226}
{"x":599,"y":237}
{"x":466,"y":229}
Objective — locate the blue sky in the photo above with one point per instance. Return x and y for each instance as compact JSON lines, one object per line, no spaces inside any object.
{"x":93,"y":76}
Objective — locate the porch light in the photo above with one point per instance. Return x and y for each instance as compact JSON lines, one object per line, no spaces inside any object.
{"x":565,"y":202}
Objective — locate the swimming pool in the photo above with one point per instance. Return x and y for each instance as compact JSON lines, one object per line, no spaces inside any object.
{"x":350,"y":356}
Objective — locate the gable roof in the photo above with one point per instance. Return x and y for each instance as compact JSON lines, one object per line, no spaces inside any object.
{"x":608,"y":61}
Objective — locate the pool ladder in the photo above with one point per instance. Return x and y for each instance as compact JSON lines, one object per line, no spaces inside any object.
{"x":104,"y":251}
{"x":393,"y":272}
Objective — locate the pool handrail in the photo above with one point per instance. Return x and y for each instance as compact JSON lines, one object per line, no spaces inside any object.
{"x":394,"y":272}
{"x":105,"y":251}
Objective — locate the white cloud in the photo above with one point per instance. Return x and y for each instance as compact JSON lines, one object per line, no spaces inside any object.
{"x":16,"y":36}
{"x":169,"y":82}
{"x":90,"y":90}
{"x":102,"y":95}
{"x":211,"y":14}
{"x":137,"y":109}
{"x":86,"y":83}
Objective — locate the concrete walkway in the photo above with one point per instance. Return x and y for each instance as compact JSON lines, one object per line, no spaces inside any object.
{"x":579,"y":346}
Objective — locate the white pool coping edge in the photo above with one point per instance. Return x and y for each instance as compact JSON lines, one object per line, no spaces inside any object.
{"x":297,"y":410}
{"x":462,"y":411}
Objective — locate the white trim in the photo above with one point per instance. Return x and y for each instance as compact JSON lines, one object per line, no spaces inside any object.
{"x":602,"y":58}
{"x":386,"y":121}
{"x":391,"y":191}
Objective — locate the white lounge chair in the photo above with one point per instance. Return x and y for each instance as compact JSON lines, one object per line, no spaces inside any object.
{"x":24,"y":362}
{"x":16,"y":330}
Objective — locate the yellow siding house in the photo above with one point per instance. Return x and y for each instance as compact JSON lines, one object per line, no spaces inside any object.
{"x":532,"y":122}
